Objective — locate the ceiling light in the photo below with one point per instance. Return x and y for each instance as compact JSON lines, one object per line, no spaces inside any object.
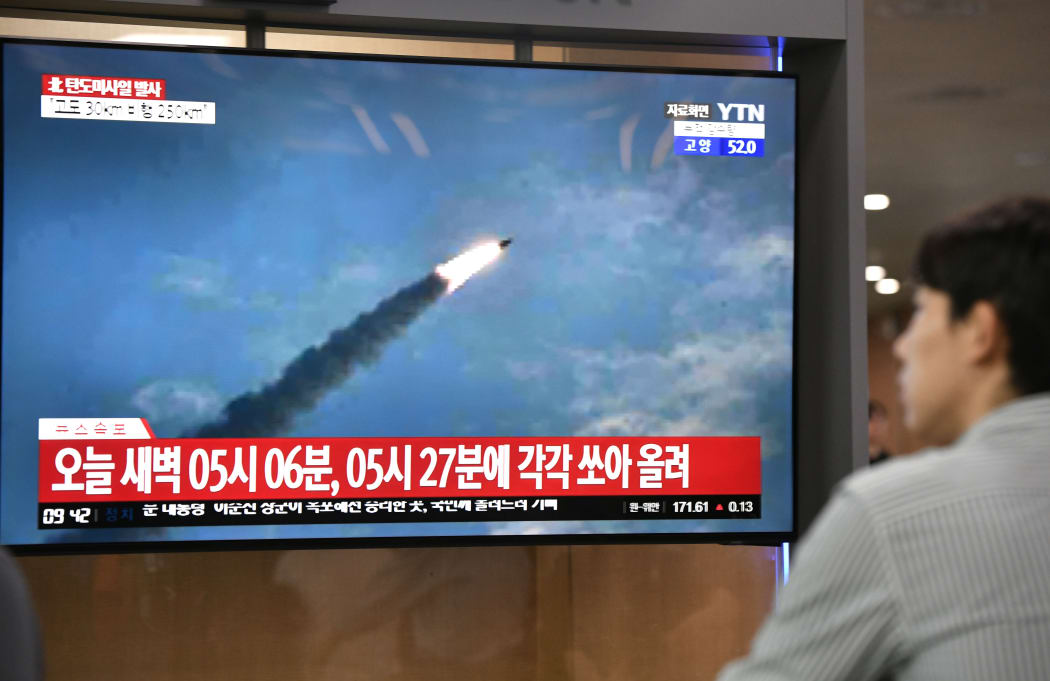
{"x":876,"y":202}
{"x":874,"y":272}
{"x":887,"y":286}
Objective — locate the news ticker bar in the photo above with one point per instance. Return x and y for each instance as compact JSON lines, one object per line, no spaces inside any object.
{"x":202,"y":470}
{"x":100,"y":515}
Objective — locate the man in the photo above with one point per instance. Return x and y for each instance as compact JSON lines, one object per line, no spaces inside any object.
{"x":878,"y":432}
{"x":937,"y":566}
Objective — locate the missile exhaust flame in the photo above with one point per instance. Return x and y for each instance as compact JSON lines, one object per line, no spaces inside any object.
{"x":465,"y":265}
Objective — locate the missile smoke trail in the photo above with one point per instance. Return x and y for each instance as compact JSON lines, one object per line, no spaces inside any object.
{"x":270,"y":410}
{"x":318,"y":369}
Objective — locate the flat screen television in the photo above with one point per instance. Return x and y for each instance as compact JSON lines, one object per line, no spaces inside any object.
{"x":258,"y":298}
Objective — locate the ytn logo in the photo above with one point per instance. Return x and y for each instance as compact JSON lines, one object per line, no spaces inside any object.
{"x":755,"y":113}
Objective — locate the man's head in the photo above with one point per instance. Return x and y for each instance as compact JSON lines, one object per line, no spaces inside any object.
{"x":980,"y":332}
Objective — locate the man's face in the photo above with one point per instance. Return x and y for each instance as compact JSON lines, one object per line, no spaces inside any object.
{"x":933,"y":371}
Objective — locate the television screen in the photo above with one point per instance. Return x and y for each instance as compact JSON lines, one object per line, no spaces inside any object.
{"x":294,"y":297}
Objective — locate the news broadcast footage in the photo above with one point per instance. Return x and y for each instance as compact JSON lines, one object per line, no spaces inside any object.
{"x":294,"y":297}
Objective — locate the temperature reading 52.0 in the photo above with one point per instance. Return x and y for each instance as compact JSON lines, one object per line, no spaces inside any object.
{"x":741,"y":506}
{"x":741,"y":147}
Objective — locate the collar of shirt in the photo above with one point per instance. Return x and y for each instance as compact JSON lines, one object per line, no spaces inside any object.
{"x":1030,"y":413}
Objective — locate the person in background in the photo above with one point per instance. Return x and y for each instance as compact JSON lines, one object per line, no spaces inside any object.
{"x":878,"y":432}
{"x":937,"y":566}
{"x":21,"y":654}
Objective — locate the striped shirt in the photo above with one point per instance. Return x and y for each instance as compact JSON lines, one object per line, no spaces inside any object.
{"x":934,"y":566}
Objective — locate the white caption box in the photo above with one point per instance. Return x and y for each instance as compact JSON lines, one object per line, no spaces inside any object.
{"x":118,"y":109}
{"x":755,"y":131}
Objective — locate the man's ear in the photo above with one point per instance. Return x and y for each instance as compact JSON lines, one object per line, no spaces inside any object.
{"x":985,"y":334}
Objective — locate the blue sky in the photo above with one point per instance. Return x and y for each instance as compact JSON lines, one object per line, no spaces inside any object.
{"x":158,"y":270}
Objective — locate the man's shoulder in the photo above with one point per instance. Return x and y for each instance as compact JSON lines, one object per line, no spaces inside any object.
{"x":903,"y":484}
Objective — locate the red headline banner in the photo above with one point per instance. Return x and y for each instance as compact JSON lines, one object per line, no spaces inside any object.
{"x":85,"y":470}
{"x":100,"y":86}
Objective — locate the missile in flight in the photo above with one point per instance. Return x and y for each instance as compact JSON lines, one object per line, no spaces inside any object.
{"x":457,"y":270}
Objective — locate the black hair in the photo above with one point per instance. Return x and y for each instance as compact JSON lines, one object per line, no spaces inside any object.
{"x":999,"y":254}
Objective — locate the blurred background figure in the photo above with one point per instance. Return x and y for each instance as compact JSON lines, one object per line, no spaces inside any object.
{"x":878,"y":432}
{"x":21,"y":657}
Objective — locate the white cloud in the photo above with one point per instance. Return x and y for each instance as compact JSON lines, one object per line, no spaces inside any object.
{"x":757,"y":253}
{"x":700,"y":385}
{"x":209,"y":282}
{"x":526,"y":370}
{"x":176,"y":401}
{"x":713,"y":256}
{"x":194,"y":277}
{"x":753,"y":266}
{"x":599,"y":114}
{"x":338,"y":93}
{"x":730,"y":338}
{"x":622,"y":214}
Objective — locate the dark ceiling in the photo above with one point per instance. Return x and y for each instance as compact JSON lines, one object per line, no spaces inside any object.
{"x":958,"y":113}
